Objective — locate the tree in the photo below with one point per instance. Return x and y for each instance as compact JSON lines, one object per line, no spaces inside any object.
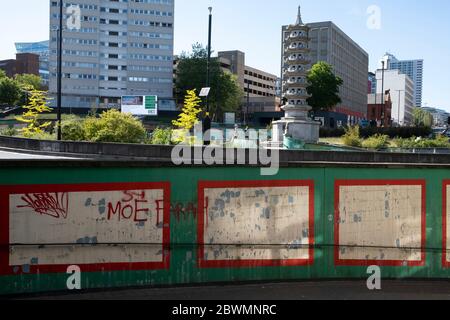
{"x":226,"y":93}
{"x":189,"y":116}
{"x":2,"y":74}
{"x":29,"y":80}
{"x":10,"y":91}
{"x":323,"y":87}
{"x":37,"y":105}
{"x":422,"y":118}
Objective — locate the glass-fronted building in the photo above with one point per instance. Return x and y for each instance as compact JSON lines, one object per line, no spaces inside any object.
{"x":42,"y":49}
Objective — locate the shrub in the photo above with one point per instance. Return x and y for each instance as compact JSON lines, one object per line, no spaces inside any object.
{"x":43,"y":135}
{"x":419,"y":143}
{"x":114,"y":126}
{"x":72,"y":128}
{"x":9,"y":132}
{"x":161,"y":136}
{"x":403,"y":132}
{"x":376,"y":142}
{"x":352,"y":138}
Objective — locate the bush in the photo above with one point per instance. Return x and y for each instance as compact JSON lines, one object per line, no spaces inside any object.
{"x":418,"y":143}
{"x":376,"y":142}
{"x":9,"y":132}
{"x":352,"y":138}
{"x":43,"y":135}
{"x":114,"y":126}
{"x":72,"y":128}
{"x":403,"y":132}
{"x":161,"y":136}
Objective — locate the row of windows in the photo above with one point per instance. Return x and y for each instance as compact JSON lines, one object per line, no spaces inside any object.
{"x":151,"y":24}
{"x":153,"y":80}
{"x":135,"y":56}
{"x":151,"y":35}
{"x":149,"y":46}
{"x":152,"y":12}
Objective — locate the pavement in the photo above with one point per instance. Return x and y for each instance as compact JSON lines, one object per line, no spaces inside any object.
{"x":8,"y":155}
{"x":324,"y":290}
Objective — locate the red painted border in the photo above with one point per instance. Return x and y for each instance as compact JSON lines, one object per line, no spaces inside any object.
{"x":445,"y":185}
{"x":389,"y":263}
{"x":5,"y":191}
{"x":202,"y":185}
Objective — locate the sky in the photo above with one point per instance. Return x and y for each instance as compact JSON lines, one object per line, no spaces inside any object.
{"x":410,"y":29}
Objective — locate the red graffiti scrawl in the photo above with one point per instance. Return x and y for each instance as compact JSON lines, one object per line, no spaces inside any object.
{"x":55,"y":205}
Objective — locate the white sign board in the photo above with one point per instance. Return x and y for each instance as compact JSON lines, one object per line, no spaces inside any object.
{"x":205,"y":92}
{"x":140,"y":105}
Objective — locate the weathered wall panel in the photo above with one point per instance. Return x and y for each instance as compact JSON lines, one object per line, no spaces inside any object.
{"x":380,"y":222}
{"x":103,"y":226}
{"x":256,"y":223}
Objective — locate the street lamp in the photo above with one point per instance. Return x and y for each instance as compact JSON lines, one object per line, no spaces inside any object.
{"x":207,"y":119}
{"x":59,"y":71}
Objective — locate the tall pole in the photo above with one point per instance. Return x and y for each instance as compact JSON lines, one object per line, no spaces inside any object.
{"x":248,"y":103}
{"x":207,"y":119}
{"x":383,"y":99}
{"x":399,"y":96}
{"x":59,"y":84}
{"x":208,"y":63}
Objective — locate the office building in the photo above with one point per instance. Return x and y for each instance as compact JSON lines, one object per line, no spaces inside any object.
{"x":124,"y":47}
{"x":372,"y":84}
{"x":259,"y":87}
{"x":412,"y":68}
{"x":43,"y":51}
{"x":25,"y":63}
{"x":350,"y":62}
{"x":401,"y":89}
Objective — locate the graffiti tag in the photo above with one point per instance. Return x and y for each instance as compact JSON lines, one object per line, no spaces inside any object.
{"x":55,"y":205}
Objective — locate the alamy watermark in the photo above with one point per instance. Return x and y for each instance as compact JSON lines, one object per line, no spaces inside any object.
{"x":228,"y":154}
{"x":374,"y":280}
{"x":374,"y":19}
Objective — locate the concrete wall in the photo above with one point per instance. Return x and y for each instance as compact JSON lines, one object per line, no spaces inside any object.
{"x":128,"y":225}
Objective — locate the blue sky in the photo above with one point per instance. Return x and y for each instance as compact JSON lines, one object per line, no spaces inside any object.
{"x":409,"y":29}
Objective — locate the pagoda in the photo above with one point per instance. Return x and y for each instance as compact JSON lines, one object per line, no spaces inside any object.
{"x":296,"y":127}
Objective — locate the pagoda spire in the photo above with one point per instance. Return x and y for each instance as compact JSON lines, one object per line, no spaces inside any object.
{"x":299,"y":16}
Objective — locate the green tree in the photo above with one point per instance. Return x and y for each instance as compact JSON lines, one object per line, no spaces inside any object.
{"x":114,"y":126}
{"x":189,"y":115}
{"x":2,"y":74}
{"x":323,"y":86}
{"x":422,"y":118}
{"x":10,"y":91}
{"x":29,"y":80}
{"x":226,"y":93}
{"x":38,"y":104}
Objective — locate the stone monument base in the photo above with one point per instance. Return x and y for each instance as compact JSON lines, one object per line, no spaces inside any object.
{"x":296,"y":125}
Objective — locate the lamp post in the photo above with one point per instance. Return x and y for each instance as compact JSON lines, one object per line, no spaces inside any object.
{"x":59,"y":71}
{"x":207,"y":119}
{"x":399,"y":96}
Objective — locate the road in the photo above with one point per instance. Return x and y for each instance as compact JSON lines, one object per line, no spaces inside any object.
{"x":331,"y":290}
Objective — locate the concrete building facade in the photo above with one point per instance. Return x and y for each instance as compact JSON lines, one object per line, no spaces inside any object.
{"x":350,"y":62}
{"x":124,"y":47}
{"x":412,"y":68}
{"x":259,"y":87}
{"x":402,"y":94}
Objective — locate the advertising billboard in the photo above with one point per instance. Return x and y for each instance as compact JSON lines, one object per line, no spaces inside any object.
{"x":140,"y":105}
